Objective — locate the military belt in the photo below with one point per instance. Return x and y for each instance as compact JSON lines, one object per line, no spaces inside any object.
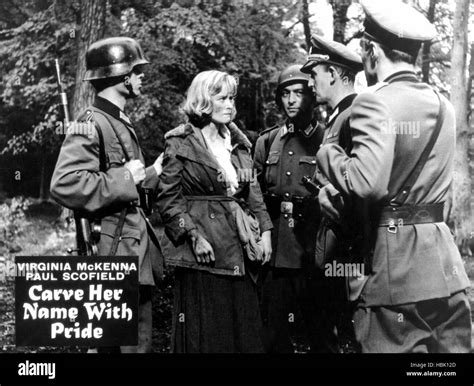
{"x":297,"y":206}
{"x":398,"y":216}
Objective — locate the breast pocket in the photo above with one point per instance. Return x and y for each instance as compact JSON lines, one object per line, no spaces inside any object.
{"x":271,"y":167}
{"x":307,"y":166}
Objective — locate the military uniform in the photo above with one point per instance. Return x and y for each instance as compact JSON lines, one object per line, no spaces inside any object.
{"x":413,"y":298}
{"x":283,"y":156}
{"x":338,"y":131}
{"x":80,"y":182}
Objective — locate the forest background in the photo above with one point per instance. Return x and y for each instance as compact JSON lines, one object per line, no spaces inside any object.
{"x":252,"y":40}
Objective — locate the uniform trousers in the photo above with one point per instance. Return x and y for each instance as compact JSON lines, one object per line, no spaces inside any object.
{"x":429,"y":326}
{"x":285,"y":294}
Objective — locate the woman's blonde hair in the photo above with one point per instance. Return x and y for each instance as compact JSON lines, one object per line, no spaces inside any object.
{"x":206,"y":84}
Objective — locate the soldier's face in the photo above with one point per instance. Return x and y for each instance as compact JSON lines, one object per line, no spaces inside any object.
{"x":296,"y":99}
{"x":135,"y":82}
{"x":320,"y":82}
{"x":223,"y":106}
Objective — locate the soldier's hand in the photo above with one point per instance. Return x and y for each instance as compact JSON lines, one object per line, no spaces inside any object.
{"x":267,"y":246}
{"x":330,"y":202}
{"x":201,"y":247}
{"x":158,"y":165}
{"x":136,"y":169}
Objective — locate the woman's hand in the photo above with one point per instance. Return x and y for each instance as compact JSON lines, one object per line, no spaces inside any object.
{"x":201,"y":247}
{"x":267,"y":246}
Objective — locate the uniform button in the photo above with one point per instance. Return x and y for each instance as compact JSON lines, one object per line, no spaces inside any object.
{"x":212,"y":215}
{"x":290,"y":153}
{"x":286,"y":216}
{"x":313,"y":162}
{"x":211,"y":189}
{"x":287,"y":194}
{"x":268,"y":162}
{"x":288,"y":173}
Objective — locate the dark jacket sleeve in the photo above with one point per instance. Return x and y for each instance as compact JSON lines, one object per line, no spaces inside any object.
{"x":151,"y":179}
{"x":171,"y":201}
{"x":256,"y":202}
{"x":364,"y":173}
{"x":78,"y":183}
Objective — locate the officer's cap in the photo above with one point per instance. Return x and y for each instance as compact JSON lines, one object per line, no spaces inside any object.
{"x":331,"y":52}
{"x":396,"y":25}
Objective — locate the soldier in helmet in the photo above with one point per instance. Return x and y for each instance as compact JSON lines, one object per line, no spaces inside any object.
{"x":283,"y":156}
{"x":101,"y":174}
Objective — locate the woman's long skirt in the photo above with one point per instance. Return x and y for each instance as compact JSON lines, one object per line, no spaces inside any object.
{"x":215,"y":314}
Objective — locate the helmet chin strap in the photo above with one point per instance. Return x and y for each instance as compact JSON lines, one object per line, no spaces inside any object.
{"x":128,"y":85}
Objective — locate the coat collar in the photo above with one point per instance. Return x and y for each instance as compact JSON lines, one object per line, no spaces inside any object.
{"x":113,"y":110}
{"x":237,"y":137}
{"x":400,"y":76}
{"x":289,"y":128}
{"x":341,"y":106}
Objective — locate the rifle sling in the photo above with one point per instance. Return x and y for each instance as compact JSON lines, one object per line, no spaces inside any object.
{"x":402,"y":195}
{"x":123,"y":213}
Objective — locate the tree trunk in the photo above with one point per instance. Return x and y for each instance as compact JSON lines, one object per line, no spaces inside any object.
{"x":306,"y":27}
{"x":339,"y":10}
{"x":91,"y":27}
{"x":459,"y":98}
{"x":42,"y":192}
{"x":425,"y":68}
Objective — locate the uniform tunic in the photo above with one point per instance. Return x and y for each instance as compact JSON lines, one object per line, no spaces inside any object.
{"x":291,"y":284}
{"x":416,"y":263}
{"x":291,"y":156}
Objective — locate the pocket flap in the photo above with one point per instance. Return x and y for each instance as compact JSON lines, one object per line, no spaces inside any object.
{"x":308,"y":160}
{"x":273,"y":158}
{"x":108,"y":228}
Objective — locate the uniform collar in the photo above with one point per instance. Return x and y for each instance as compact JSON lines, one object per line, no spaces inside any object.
{"x":341,"y":106}
{"x":107,"y":106}
{"x":402,"y":76}
{"x":289,"y":128}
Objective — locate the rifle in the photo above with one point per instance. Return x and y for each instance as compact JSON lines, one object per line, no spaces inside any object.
{"x":86,"y":236}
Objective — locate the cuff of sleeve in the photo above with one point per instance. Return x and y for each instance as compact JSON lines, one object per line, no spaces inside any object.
{"x":265,"y":223}
{"x":151,"y":179}
{"x":177,"y":228}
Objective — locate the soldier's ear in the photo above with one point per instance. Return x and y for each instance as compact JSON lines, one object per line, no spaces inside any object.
{"x":373,"y":51}
{"x":333,"y":73}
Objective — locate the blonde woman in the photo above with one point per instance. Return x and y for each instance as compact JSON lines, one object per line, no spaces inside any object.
{"x":207,"y":173}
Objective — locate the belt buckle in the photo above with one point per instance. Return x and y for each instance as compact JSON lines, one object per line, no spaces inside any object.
{"x":286,"y":207}
{"x":392,"y":228}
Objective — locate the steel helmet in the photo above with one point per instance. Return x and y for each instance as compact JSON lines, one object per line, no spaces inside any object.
{"x":112,"y":57}
{"x":291,"y":74}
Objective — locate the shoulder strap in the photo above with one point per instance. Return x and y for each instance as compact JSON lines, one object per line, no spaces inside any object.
{"x":127,"y":156}
{"x":408,"y":185}
{"x":102,"y":155}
